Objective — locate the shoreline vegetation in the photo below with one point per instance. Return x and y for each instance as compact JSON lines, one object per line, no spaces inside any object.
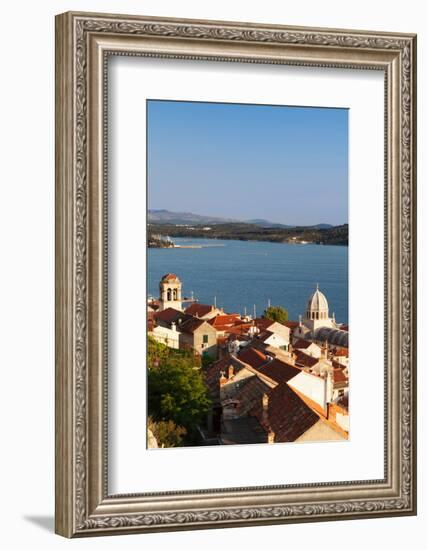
{"x":160,"y":235}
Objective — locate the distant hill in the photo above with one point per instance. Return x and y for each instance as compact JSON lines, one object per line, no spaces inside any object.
{"x":189,"y":218}
{"x":166,"y":216}
{"x":322,"y":226}
{"x":266,"y":223}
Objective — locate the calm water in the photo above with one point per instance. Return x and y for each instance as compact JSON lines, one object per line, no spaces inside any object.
{"x":241,"y":274}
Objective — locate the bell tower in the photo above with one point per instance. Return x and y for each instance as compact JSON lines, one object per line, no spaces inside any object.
{"x":170,"y":288}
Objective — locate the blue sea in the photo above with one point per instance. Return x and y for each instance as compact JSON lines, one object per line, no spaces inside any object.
{"x":246,"y":273}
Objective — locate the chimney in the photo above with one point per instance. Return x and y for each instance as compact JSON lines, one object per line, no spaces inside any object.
{"x":329,"y":387}
{"x":230,"y":372}
{"x":265,"y":402}
{"x":173,"y":325}
{"x":265,"y":408}
{"x":222,"y":379}
{"x":270,"y":436}
{"x":325,"y":350}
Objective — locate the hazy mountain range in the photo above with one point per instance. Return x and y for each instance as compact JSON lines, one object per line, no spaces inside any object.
{"x":168,"y":217}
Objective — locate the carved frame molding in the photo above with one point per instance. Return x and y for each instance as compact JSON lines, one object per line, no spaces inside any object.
{"x":83,"y":43}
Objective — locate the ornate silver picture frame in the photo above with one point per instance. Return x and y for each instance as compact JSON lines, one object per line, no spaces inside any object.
{"x":84,"y":42}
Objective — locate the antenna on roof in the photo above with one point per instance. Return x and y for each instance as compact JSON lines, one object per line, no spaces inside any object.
{"x":317,"y":286}
{"x":215,"y":301}
{"x":269,"y":303}
{"x":254,"y":311}
{"x":244,"y":311}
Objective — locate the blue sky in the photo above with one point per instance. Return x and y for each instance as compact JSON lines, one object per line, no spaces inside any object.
{"x":284,"y":164}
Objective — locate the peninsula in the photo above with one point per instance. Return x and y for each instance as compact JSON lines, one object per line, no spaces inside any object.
{"x":334,"y":235}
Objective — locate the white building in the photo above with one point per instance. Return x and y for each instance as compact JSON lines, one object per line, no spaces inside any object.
{"x":272,"y":333}
{"x":167,"y":336}
{"x":274,"y":339}
{"x":316,"y":388}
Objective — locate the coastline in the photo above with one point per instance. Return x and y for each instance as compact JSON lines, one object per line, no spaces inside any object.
{"x":234,"y":238}
{"x":336,"y":235}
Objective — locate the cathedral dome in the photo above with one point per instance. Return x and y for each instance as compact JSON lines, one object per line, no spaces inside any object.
{"x":317,"y":306}
{"x":317,"y":302}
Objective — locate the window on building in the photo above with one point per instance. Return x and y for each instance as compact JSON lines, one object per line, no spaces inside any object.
{"x":205,"y":338}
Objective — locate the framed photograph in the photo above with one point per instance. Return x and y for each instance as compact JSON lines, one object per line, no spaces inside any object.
{"x":235,"y":274}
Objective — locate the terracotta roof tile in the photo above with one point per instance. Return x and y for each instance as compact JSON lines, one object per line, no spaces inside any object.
{"x":302,"y":344}
{"x":170,"y":277}
{"x":337,"y":365}
{"x":262,"y":323}
{"x":264,"y":335}
{"x":342,"y":352}
{"x":287,"y":414}
{"x":303,"y":360}
{"x":213,"y":372}
{"x":224,"y":321}
{"x":191,"y":325}
{"x":239,"y":329}
{"x":339,"y":375}
{"x":253,"y":357}
{"x":279,"y":371}
{"x":168,"y":315}
{"x":343,"y":401}
{"x":291,"y":324}
{"x":247,"y":391}
{"x":199,"y":310}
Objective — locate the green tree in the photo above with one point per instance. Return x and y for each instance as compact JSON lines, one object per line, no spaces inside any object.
{"x":166,"y":432}
{"x":276,"y":313}
{"x":176,"y":390}
{"x":159,"y":353}
{"x":207,"y":360}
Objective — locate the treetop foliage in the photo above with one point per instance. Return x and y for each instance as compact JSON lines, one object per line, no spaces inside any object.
{"x":276,"y":313}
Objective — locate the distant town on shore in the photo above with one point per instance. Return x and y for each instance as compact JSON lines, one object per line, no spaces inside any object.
{"x":164,"y":225}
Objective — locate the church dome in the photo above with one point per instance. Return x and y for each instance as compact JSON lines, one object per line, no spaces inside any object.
{"x":317,"y":302}
{"x":317,"y":306}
